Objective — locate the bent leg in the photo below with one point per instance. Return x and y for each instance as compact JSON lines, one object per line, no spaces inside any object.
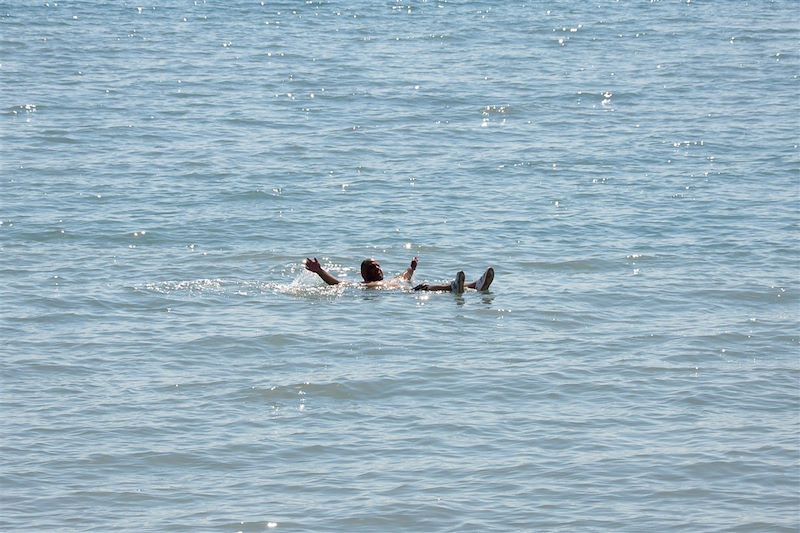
{"x":456,"y":286}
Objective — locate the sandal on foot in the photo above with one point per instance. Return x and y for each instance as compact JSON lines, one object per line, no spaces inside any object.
{"x":457,"y":286}
{"x":485,"y":281}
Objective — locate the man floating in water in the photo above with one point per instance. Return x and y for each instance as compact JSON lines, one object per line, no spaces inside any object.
{"x":373,"y":277}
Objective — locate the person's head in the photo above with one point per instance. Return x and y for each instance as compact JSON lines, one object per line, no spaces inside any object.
{"x":371,"y":270}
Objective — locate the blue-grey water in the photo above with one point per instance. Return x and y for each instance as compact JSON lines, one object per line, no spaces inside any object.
{"x":630,"y":169}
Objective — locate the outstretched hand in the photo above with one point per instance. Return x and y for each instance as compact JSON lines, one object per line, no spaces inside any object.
{"x":409,"y":272}
{"x":313,"y":265}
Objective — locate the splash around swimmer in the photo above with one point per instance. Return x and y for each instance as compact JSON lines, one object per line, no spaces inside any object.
{"x":372,"y":273}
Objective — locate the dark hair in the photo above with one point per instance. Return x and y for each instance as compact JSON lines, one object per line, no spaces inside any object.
{"x":364,"y":265}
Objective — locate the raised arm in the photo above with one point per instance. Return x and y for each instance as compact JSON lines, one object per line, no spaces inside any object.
{"x":410,"y":270}
{"x":314,"y":266}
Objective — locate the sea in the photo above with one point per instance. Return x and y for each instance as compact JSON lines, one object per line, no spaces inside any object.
{"x":630,"y":169}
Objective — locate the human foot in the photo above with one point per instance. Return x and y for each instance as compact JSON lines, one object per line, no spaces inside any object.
{"x":485,"y":281}
{"x":457,"y":286}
